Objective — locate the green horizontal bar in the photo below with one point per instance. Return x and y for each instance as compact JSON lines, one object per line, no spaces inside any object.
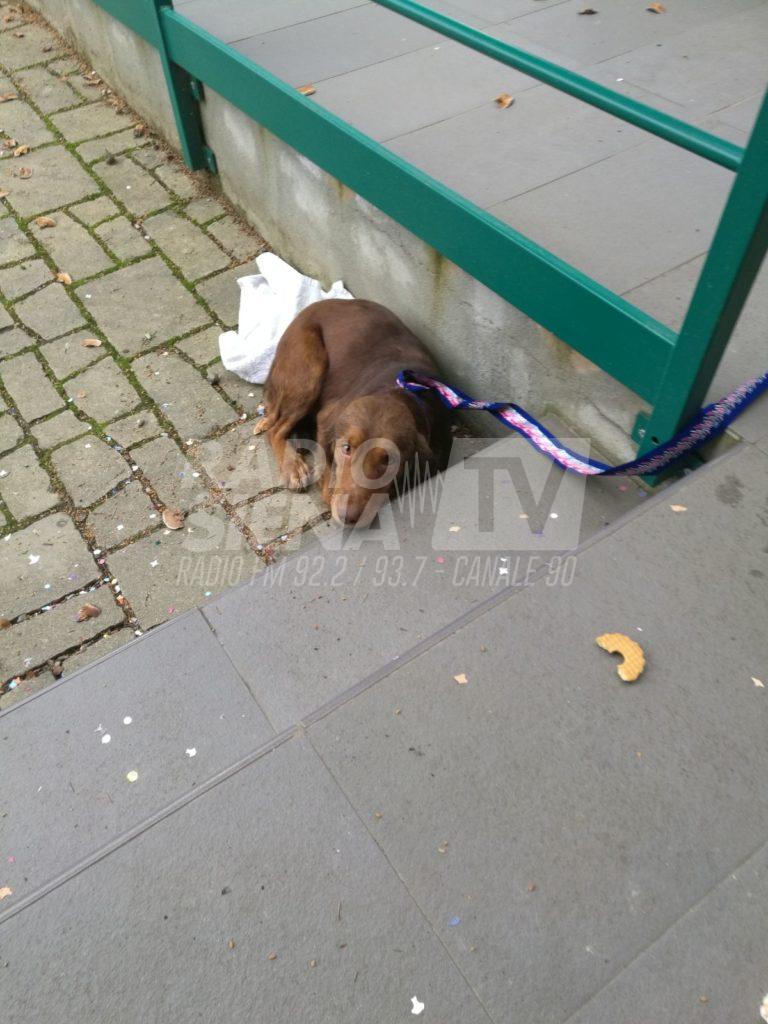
{"x":623,"y":340}
{"x":672,"y":129}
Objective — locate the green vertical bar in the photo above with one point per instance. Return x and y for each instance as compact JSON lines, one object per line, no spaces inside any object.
{"x":734,"y":259}
{"x":185,"y":109}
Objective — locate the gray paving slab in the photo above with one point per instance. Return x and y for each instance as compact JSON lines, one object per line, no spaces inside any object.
{"x":10,"y":433}
{"x":141,"y":305}
{"x":240,"y":243}
{"x":102,"y":391}
{"x":57,"y":180}
{"x":110,"y":145}
{"x":13,"y":340}
{"x":89,"y":468}
{"x":31,"y":391}
{"x":24,"y":47}
{"x":125,"y":241}
{"x":490,"y":154}
{"x":623,"y":25}
{"x":418,"y":89}
{"x":233,"y":19}
{"x":122,"y":516}
{"x":132,"y":186}
{"x":166,"y":573}
{"x":242,"y":465}
{"x":222,"y":294}
{"x":166,"y":685}
{"x":310,"y":51}
{"x":42,"y":563}
{"x":48,"y":91}
{"x":710,"y":963}
{"x":187,"y":245}
{"x":180,"y":181}
{"x":244,"y":394}
{"x":25,"y":487}
{"x":165,"y":465}
{"x":591,"y":796}
{"x":50,"y":312}
{"x":72,"y":248}
{"x":87,"y":122}
{"x":609,"y":220}
{"x":203,"y":347}
{"x":23,"y":278}
{"x":59,"y":428}
{"x":190,"y":403}
{"x":20,"y":122}
{"x":224,"y":887}
{"x":14,"y":244}
{"x":667,"y":298}
{"x":134,"y":428}
{"x":67,"y":355}
{"x":713,"y":65}
{"x":34,"y":641}
{"x":204,"y":210}
{"x":405,"y":580}
{"x":95,"y":210}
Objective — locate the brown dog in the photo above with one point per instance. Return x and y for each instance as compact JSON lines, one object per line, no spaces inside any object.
{"x":335,"y":370}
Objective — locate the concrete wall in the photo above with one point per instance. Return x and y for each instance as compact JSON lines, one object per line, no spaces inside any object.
{"x":483,"y":344}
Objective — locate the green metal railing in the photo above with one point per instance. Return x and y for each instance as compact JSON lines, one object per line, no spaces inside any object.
{"x":671,"y":371}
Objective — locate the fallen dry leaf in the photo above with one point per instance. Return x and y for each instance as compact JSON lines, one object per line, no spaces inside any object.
{"x":47,"y":48}
{"x":88,"y":611}
{"x":45,"y":222}
{"x":4,"y":192}
{"x":5,"y":623}
{"x":272,"y":956}
{"x":656,"y":8}
{"x":139,"y":130}
{"x":679,"y":508}
{"x":10,"y":143}
{"x":6,"y":97}
{"x":25,"y":172}
{"x":173,"y":519}
{"x":21,"y":150}
{"x":461,"y":679}
{"x":63,"y":277}
{"x":588,"y":10}
{"x":5,"y":891}
{"x":91,"y":343}
{"x":634,"y":660}
{"x":57,"y":670}
{"x":81,"y":394}
{"x":307,"y":90}
{"x":231,"y":944}
{"x":504,"y":100}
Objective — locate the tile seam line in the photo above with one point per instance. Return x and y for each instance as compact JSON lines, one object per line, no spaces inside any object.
{"x":681,"y":917}
{"x":425,"y":917}
{"x":181,"y":801}
{"x":302,"y":726}
{"x":280,"y":28}
{"x":490,"y":603}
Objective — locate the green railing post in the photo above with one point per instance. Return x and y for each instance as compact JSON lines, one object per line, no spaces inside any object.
{"x":184,"y":93}
{"x":734,"y":259}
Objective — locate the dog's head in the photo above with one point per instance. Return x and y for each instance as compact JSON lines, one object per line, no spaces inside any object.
{"x":371,"y":445}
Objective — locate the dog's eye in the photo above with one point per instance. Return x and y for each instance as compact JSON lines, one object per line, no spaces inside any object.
{"x":346,"y":448}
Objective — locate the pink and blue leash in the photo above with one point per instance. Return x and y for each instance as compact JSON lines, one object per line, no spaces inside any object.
{"x":711,"y":421}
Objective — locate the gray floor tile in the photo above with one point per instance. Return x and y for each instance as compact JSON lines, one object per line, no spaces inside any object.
{"x":667,"y":299}
{"x":622,"y":25}
{"x":416,"y":89}
{"x":490,"y":154}
{"x":605,"y":810}
{"x":72,"y":795}
{"x":710,"y":66}
{"x":182,"y":922}
{"x":628,"y":219}
{"x":711,"y":965}
{"x":359,"y":600}
{"x":231,"y":20}
{"x":338,"y":43}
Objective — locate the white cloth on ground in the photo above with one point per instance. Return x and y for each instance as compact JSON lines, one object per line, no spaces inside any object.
{"x":269,"y":301}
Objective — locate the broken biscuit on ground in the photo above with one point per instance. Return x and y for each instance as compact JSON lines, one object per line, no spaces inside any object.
{"x":634,"y":660}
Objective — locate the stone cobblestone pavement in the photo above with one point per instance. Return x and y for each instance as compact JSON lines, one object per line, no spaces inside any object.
{"x":105,"y":238}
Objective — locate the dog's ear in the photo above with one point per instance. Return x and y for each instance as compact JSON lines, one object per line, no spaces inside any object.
{"x":326,"y":426}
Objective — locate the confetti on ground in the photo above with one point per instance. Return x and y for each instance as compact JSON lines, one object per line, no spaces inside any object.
{"x":5,"y":891}
{"x":417,"y":1006}
{"x":106,"y":738}
{"x":633,"y":662}
{"x":758,"y":682}
{"x":272,"y":956}
{"x":191,"y":751}
{"x":34,"y":559}
{"x":453,"y":529}
{"x":454,"y":922}
{"x":231,"y":944}
{"x":461,"y":679}
{"x":764,"y":1007}
{"x":132,"y":776}
{"x":127,"y":720}
{"x":679,"y":508}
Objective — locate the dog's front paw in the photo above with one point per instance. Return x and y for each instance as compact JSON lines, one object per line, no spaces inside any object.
{"x":297,"y":475}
